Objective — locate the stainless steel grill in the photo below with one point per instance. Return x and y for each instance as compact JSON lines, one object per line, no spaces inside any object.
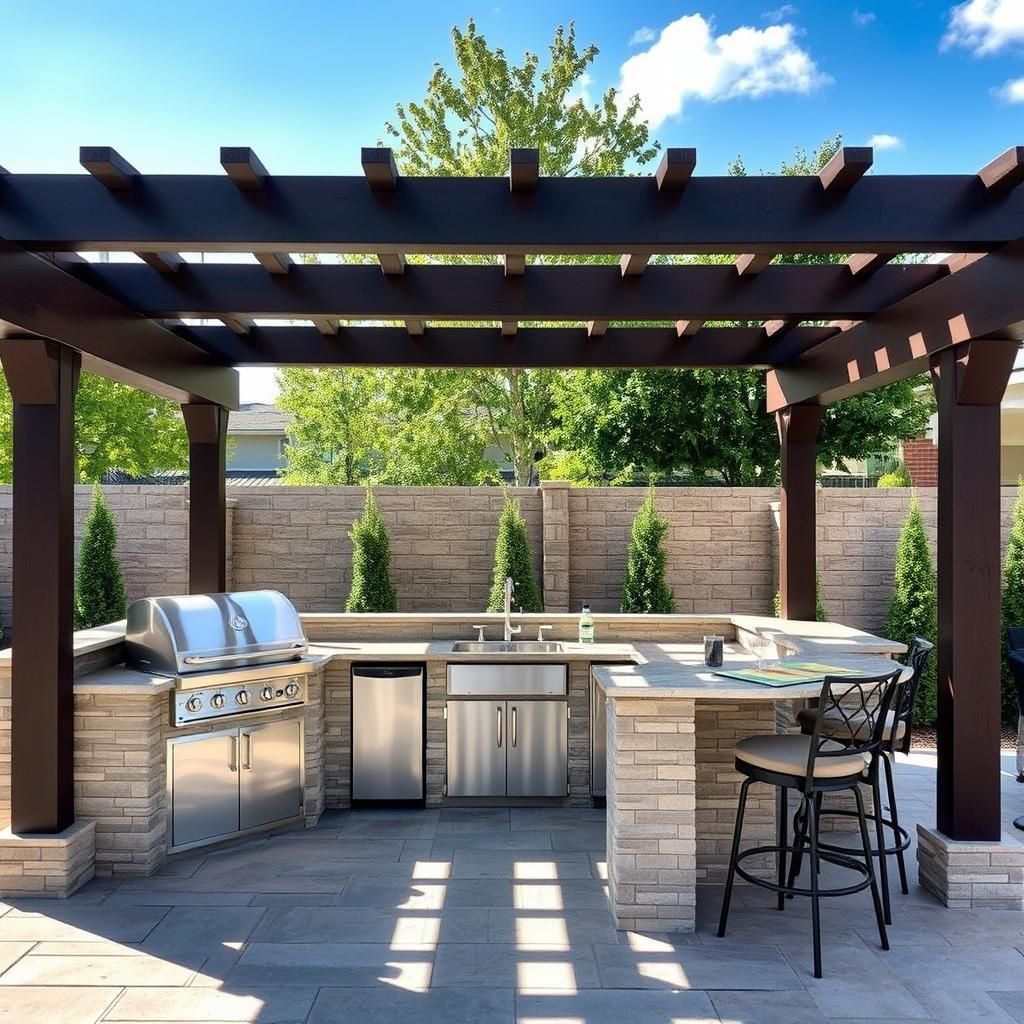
{"x":229,"y":654}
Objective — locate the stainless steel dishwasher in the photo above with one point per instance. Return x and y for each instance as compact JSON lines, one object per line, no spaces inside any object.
{"x":388,"y":708}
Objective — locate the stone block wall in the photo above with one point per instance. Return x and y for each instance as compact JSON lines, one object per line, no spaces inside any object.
{"x":721,"y":544}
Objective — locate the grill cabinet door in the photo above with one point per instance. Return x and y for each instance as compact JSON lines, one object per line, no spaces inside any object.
{"x":204,"y":787}
{"x":538,"y":747}
{"x":476,"y":748}
{"x":270,"y":772}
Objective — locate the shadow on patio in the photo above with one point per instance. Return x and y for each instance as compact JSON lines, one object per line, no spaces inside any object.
{"x":490,"y":914}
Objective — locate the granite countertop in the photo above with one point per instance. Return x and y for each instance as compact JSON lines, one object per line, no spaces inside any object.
{"x":441,"y":650}
{"x":678,"y":670}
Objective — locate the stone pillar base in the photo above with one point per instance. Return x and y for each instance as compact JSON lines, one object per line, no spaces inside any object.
{"x":969,"y":875}
{"x":36,"y":864}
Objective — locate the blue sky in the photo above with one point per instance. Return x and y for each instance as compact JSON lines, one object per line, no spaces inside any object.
{"x":307,"y":83}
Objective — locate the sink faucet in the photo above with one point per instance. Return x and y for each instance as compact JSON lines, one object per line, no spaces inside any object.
{"x":510,"y":630}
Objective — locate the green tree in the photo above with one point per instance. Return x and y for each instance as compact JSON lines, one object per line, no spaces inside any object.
{"x":1013,"y":599}
{"x":898,"y":477}
{"x":912,"y":609}
{"x":624,"y":425}
{"x":372,"y":589}
{"x":512,"y":558}
{"x":99,"y":587}
{"x":645,"y":588}
{"x":116,"y":427}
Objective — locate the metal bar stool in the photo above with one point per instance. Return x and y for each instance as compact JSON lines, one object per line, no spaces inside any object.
{"x":896,"y":738}
{"x":813,"y":765}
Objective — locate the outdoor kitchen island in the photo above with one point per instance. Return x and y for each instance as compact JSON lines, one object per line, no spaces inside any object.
{"x":675,"y":763}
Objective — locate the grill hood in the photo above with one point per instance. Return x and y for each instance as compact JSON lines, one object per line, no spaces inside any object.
{"x":206,"y":632}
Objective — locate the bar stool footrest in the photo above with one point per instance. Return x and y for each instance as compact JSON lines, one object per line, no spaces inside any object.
{"x":842,"y":860}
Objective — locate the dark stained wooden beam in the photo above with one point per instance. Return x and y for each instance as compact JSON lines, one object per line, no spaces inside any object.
{"x":642,"y":347}
{"x":771,"y":214}
{"x":275,"y":262}
{"x":846,"y":168}
{"x":514,"y":263}
{"x":524,"y":170}
{"x":107,"y":166}
{"x":750,"y":264}
{"x":548,"y":292}
{"x":415,"y":328}
{"x":1004,"y":173}
{"x":43,"y":379}
{"x":162,"y":262}
{"x":676,"y":169}
{"x":207,"y":427}
{"x":509,"y":328}
{"x":595,"y":328}
{"x":982,"y":299}
{"x":633,"y":264}
{"x":392,"y":263}
{"x":868,"y":262}
{"x":777,"y":328}
{"x":326,"y":326}
{"x":798,"y":428}
{"x":379,"y":168}
{"x":688,"y":328}
{"x":236,"y":324}
{"x":38,"y":297}
{"x":969,"y":383}
{"x":243,"y":167}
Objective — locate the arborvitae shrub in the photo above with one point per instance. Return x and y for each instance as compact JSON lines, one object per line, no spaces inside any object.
{"x":645,"y":588}
{"x":99,"y":588}
{"x":1013,"y":599}
{"x":372,"y":589}
{"x":912,"y":609}
{"x":512,"y":558}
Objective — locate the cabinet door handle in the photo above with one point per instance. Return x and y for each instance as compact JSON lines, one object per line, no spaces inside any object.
{"x":247,"y":763}
{"x":514,"y":717}
{"x":233,"y":759}
{"x":499,"y":727}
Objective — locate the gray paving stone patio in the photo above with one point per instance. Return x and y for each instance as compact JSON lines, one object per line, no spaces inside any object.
{"x":460,"y":916}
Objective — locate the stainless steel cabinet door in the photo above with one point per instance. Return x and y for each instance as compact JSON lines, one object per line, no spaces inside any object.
{"x":538,"y":748}
{"x":204,"y":787}
{"x":476,"y":748}
{"x":270,"y":772}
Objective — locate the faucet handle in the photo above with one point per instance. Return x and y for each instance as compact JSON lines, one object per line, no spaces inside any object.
{"x":480,"y":633}
{"x":515,"y":629}
{"x":540,"y":631}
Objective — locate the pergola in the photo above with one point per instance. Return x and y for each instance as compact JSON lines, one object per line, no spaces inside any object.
{"x":962,"y":319}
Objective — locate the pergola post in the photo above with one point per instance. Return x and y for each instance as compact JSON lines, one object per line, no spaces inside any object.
{"x":207,"y":427}
{"x":969,"y":383}
{"x":43,"y":378}
{"x":798,"y":427}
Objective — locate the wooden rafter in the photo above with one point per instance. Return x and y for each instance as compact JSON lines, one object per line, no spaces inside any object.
{"x":243,"y":167}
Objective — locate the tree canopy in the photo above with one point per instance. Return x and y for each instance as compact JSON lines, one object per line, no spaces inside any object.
{"x":116,"y":427}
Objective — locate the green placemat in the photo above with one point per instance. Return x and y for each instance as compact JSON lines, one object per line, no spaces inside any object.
{"x":793,"y":673}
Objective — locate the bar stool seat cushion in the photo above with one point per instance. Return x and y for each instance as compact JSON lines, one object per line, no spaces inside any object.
{"x":832,"y":724}
{"x":787,"y":755}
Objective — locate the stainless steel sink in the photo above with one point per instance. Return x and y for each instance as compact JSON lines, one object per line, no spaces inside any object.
{"x":507,"y":647}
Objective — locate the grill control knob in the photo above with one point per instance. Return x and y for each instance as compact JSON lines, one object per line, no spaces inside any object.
{"x":267,"y":693}
{"x":291,"y":690}
{"x":242,"y":696}
{"x":217,"y":701}
{"x":194,"y":704}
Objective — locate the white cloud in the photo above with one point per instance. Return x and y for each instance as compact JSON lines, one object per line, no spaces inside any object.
{"x":644,"y":34}
{"x":883,"y":141}
{"x":780,"y":13}
{"x":985,"y":26}
{"x":862,"y":18}
{"x":689,"y":62}
{"x":1011,"y":91}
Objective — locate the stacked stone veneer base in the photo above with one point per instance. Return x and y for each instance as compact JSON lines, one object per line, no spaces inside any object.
{"x":33,"y":864}
{"x":651,"y":815}
{"x":970,"y":875}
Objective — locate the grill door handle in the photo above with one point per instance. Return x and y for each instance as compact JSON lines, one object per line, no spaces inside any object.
{"x":247,"y":762}
{"x":233,"y":759}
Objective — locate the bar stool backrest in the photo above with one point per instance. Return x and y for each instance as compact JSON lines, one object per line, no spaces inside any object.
{"x":916,"y":659}
{"x":857,"y":708}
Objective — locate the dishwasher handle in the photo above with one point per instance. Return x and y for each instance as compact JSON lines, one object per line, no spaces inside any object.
{"x":514,"y":716}
{"x":500,"y":730}
{"x":387,"y":671}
